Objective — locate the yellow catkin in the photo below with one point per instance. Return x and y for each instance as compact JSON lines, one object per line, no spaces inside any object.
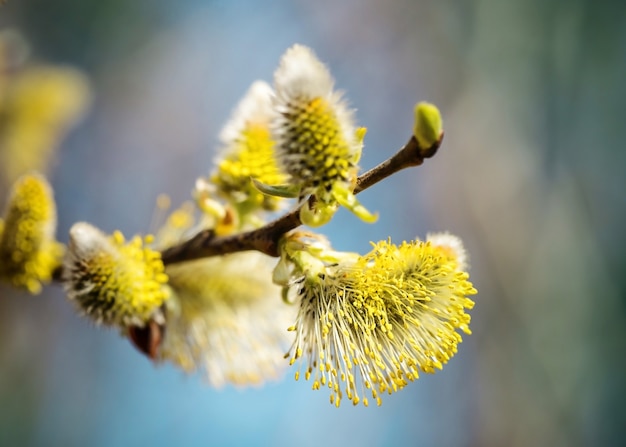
{"x":39,"y":106}
{"x":29,"y":252}
{"x":383,"y":318}
{"x":317,"y":142}
{"x":226,"y":321}
{"x":113,"y":281}
{"x":248,"y":152}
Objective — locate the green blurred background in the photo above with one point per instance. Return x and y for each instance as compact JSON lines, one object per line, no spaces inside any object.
{"x":531,"y":175}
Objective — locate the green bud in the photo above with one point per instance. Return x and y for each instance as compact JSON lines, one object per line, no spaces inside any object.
{"x":428,"y":127}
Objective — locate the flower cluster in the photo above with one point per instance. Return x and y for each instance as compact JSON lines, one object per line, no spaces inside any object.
{"x":360,"y":325}
{"x":295,"y":140}
{"x":368,"y":324}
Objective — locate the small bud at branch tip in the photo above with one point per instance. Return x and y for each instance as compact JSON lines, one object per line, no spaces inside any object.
{"x":428,"y":126}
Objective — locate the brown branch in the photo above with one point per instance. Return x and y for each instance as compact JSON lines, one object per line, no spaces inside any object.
{"x":265,"y":239}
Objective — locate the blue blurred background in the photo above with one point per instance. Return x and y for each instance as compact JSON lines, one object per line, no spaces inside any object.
{"x":531,"y":175}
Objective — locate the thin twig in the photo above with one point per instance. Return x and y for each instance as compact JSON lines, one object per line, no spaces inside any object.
{"x":265,"y":239}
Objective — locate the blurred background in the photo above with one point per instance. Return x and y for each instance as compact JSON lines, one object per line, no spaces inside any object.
{"x":531,"y":175}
